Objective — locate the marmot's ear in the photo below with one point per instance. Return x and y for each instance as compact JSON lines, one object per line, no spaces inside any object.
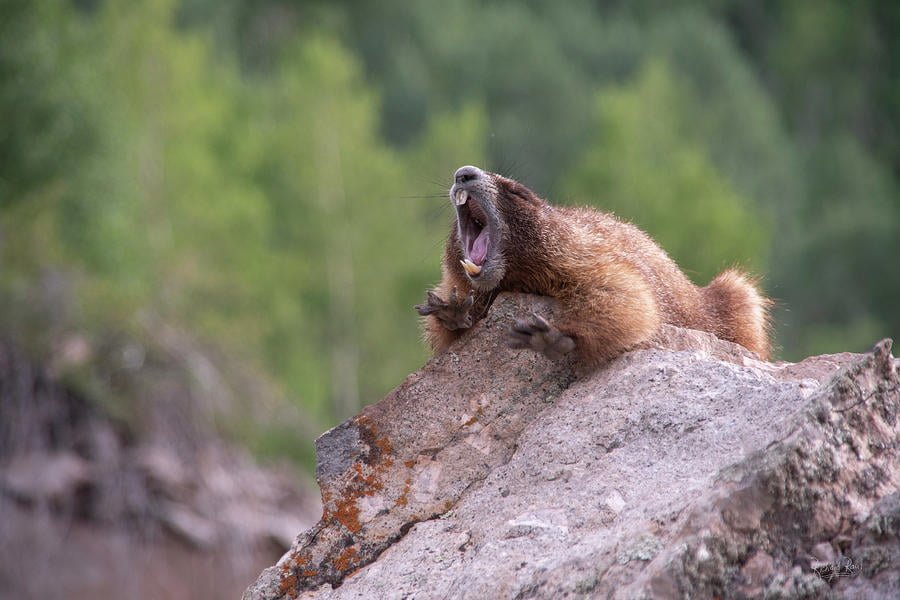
{"x":517,"y":189}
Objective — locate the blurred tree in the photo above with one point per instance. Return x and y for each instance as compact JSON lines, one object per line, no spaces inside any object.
{"x":502,"y":55}
{"x":831,"y":69}
{"x":644,"y":167}
{"x":45,"y":130}
{"x":835,"y":274}
{"x":48,"y":132}
{"x":342,"y":206}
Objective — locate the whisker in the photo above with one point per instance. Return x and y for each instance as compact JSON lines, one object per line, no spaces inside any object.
{"x":441,"y":184}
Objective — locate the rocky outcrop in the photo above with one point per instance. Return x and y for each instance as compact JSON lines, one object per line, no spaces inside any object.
{"x":84,"y":496}
{"x":684,"y":469}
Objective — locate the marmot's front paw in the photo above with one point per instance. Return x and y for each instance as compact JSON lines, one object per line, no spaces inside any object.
{"x":453,"y":314}
{"x":539,"y":335}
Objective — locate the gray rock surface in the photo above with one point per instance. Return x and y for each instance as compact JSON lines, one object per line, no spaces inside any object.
{"x":684,"y":469}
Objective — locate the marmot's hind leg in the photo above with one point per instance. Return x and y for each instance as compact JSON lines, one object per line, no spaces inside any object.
{"x":598,"y":322}
{"x":740,"y":311}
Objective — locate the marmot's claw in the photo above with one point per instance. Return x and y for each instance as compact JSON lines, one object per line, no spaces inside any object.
{"x":432,"y":305}
{"x":452,"y":314}
{"x":537,"y":334}
{"x":539,"y":322}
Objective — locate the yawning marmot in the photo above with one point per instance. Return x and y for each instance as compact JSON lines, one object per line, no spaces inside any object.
{"x":614,"y":284}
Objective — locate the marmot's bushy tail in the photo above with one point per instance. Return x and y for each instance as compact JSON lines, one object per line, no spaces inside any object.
{"x":741,"y":312}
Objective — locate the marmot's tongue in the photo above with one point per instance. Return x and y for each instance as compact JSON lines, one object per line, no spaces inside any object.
{"x":479,"y":248}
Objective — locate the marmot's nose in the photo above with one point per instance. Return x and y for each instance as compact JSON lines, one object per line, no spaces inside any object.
{"x":467,"y":173}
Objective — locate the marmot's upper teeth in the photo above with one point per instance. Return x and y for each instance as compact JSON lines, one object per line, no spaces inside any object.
{"x":470,"y":267}
{"x":461,"y":197}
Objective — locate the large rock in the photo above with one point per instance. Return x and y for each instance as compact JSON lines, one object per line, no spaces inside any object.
{"x":684,"y":469}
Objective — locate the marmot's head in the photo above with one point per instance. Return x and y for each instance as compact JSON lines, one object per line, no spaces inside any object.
{"x":490,"y":211}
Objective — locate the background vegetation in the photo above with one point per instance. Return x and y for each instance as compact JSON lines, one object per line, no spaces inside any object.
{"x":267,"y":178}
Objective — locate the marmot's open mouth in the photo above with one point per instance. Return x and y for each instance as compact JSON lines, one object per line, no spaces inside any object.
{"x":473,"y":230}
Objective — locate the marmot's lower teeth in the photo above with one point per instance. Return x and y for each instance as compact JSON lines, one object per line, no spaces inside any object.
{"x":462,"y":196}
{"x":470,"y":267}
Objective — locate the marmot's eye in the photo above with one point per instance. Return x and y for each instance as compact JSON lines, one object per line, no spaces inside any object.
{"x":478,"y":222}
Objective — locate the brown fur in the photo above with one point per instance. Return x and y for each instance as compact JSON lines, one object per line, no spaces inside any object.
{"x":615,"y":285}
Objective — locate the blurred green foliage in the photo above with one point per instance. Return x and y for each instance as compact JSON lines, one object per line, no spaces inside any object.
{"x":650,"y":171}
{"x":269,"y":176}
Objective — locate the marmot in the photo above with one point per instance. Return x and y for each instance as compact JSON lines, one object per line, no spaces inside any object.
{"x":614,"y":284}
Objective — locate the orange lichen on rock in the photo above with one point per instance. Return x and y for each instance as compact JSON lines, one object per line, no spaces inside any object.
{"x":368,"y":483}
{"x":384,"y":444}
{"x":291,"y":572}
{"x":479,"y":412}
{"x":347,"y":513}
{"x":365,"y":478}
{"x":380,"y":447}
{"x":289,"y":585}
{"x":403,"y":499}
{"x":346,"y":559}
